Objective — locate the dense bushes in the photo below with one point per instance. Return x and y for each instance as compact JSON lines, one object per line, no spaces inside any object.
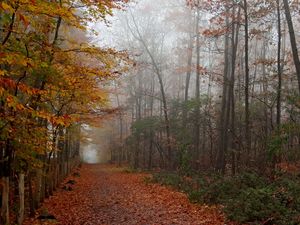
{"x":247,"y":198}
{"x":169,"y":179}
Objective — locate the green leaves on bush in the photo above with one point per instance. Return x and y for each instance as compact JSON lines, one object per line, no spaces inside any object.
{"x":247,"y":198}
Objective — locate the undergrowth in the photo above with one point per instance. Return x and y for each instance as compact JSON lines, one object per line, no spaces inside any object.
{"x":247,"y":198}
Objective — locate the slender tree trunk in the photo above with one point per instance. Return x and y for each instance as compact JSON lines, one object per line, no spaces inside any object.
{"x":189,"y":69}
{"x":136,"y":155}
{"x":189,"y":63}
{"x":21,"y":199}
{"x":234,"y":44}
{"x":151,"y":131}
{"x":31,"y":195}
{"x":5,"y":173}
{"x":292,"y":39}
{"x":197,"y":94}
{"x":166,"y":117}
{"x":247,"y":77}
{"x":150,"y":151}
{"x":120,"y":132}
{"x":279,"y":74}
{"x":223,"y":121}
{"x":239,"y":100}
{"x":265,"y":89}
{"x":5,"y":200}
{"x":187,"y":81}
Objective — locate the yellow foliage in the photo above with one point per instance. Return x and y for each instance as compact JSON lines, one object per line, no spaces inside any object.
{"x":51,"y":78}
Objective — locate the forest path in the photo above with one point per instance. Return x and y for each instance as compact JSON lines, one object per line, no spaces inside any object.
{"x":107,"y":195}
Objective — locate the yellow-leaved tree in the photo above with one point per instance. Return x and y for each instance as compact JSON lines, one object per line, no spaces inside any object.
{"x":50,"y":82}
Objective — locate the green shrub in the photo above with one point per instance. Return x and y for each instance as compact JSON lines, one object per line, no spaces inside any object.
{"x":219,"y":189}
{"x":168,"y":179}
{"x":247,"y":198}
{"x":253,"y":205}
{"x":184,"y":161}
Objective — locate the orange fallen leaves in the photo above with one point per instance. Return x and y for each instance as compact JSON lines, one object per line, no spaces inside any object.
{"x":103,"y":195}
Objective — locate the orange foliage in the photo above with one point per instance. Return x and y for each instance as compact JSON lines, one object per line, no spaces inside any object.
{"x":106,"y":195}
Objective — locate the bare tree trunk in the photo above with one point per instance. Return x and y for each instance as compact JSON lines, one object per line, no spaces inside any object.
{"x":279,"y":76}
{"x":151,"y":131}
{"x":21,"y":199}
{"x":197,"y":94}
{"x":31,"y":195}
{"x":120,"y":154}
{"x":189,"y":69}
{"x":38,"y":189}
{"x":279,"y":73}
{"x":292,"y":39}
{"x":265,"y":89}
{"x":234,"y":44}
{"x":240,"y":130}
{"x":136,"y":155}
{"x":247,"y":110}
{"x":5,"y":201}
{"x":223,"y":121}
{"x":187,"y":80}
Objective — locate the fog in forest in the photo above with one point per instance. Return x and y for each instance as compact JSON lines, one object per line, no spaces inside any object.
{"x":201,"y":94}
{"x":192,"y":93}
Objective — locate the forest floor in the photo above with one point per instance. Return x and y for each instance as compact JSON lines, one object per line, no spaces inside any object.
{"x":104,"y":194}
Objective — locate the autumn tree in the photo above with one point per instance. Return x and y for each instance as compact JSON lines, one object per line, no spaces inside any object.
{"x":46,"y":91}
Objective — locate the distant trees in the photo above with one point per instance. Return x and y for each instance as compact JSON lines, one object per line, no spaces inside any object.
{"x":235,"y":56}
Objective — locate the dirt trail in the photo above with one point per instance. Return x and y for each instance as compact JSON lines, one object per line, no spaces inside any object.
{"x":107,"y":195}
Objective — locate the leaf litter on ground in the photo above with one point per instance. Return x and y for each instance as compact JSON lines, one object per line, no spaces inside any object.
{"x":106,"y":195}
